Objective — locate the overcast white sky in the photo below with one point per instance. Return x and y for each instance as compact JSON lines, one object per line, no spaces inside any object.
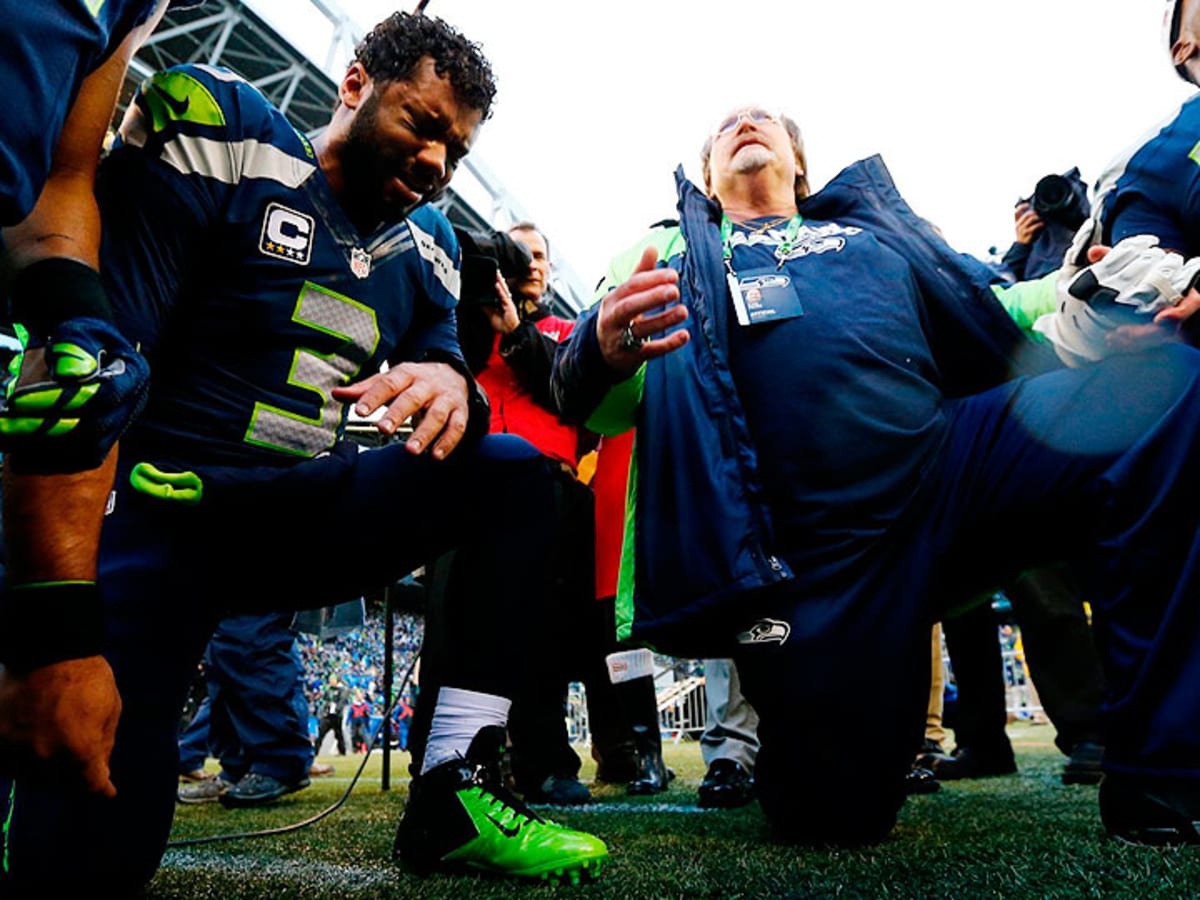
{"x":968,"y":101}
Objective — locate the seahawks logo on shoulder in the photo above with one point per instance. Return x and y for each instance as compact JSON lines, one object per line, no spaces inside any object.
{"x":766,"y":631}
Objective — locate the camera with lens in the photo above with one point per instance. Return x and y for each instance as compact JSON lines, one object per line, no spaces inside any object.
{"x":1061,"y":199}
{"x":483,"y":255}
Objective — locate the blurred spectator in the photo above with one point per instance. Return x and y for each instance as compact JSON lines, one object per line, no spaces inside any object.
{"x":1062,"y":659}
{"x":626,"y":737}
{"x":360,"y":723}
{"x":256,"y":716}
{"x":729,"y":744}
{"x":332,"y":715}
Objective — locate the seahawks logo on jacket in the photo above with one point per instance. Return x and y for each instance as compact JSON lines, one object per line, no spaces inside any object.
{"x":810,"y":239}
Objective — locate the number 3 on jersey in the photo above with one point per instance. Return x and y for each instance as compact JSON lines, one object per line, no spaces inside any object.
{"x":333,"y":314}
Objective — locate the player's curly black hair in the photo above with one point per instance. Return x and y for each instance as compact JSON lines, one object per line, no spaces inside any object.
{"x":394,"y":47}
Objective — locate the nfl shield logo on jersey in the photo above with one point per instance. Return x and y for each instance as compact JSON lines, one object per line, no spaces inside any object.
{"x":360,"y":262}
{"x":287,"y":234}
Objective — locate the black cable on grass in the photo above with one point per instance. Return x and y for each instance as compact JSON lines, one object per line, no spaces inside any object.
{"x":312,"y":820}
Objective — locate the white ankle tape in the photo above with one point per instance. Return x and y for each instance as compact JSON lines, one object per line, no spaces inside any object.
{"x":629,"y":664}
{"x":457,"y":718}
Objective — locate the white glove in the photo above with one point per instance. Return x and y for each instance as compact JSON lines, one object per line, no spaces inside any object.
{"x":1135,"y":280}
{"x":1076,"y":256}
{"x":1137,"y":273}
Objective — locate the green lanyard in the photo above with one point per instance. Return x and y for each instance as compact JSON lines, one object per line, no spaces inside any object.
{"x":781,"y":252}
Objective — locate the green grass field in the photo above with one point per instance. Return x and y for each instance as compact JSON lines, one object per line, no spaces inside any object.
{"x":1024,"y":835}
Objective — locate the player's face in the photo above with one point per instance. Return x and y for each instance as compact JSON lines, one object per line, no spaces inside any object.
{"x":533,"y":285}
{"x":405,"y":141}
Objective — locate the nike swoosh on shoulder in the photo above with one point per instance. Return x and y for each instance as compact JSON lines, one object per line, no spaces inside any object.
{"x":177,"y":106}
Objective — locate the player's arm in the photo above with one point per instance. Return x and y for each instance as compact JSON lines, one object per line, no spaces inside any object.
{"x":59,"y":704}
{"x":65,"y":222}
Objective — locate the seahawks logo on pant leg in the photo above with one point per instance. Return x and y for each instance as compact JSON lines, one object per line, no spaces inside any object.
{"x":766,"y":631}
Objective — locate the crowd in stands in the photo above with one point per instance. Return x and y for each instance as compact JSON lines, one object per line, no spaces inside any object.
{"x":354,"y":662}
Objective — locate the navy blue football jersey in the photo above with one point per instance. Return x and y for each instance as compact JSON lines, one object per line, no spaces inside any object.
{"x":1154,"y":186}
{"x":46,"y":50}
{"x":230,"y":261}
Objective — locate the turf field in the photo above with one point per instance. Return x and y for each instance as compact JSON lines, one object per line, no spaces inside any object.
{"x":1023,"y":835}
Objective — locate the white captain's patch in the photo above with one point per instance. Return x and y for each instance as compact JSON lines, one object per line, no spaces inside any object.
{"x":444,"y":268}
{"x":287,"y":234}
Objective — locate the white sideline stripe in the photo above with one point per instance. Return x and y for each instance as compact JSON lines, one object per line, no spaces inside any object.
{"x":626,"y":808}
{"x":312,"y":874}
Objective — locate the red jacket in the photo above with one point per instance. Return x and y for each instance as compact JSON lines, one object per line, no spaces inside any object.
{"x":514,"y":407}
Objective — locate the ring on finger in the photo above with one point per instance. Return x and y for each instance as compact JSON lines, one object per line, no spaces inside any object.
{"x":629,"y":340}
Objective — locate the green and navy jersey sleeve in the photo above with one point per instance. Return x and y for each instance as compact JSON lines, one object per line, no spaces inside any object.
{"x":434,"y":331}
{"x":192,"y":136}
{"x":1154,"y":188}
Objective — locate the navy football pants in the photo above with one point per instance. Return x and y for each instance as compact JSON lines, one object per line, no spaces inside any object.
{"x":1099,"y":467}
{"x":341,"y":526}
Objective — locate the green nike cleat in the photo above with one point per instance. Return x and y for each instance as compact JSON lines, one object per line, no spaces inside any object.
{"x":459,"y":816}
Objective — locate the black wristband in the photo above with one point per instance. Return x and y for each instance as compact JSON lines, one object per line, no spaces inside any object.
{"x":54,"y":290}
{"x":42,"y":624}
{"x":479,"y":408}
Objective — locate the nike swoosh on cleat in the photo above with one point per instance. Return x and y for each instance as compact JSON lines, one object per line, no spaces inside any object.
{"x":507,"y":831}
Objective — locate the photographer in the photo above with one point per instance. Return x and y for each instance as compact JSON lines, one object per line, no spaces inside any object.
{"x":509,"y":336}
{"x":1045,"y":223}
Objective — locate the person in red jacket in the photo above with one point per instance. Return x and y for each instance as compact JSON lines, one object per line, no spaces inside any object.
{"x":517,"y":373}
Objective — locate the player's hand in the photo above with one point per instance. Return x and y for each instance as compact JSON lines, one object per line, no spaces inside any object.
{"x":503,"y":318}
{"x":432,"y":389}
{"x":625,"y":324}
{"x":67,"y":397}
{"x":59,"y":722}
{"x":1140,"y":275}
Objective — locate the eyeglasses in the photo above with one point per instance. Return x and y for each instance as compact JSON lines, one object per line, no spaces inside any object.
{"x":755,"y":116}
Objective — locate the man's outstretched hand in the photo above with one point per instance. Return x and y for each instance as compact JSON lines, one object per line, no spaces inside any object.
{"x":58,"y":723}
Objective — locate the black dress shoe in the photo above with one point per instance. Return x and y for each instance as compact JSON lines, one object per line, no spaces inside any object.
{"x":652,"y":775}
{"x":1152,"y":811}
{"x":968,"y":763}
{"x":1083,"y":765}
{"x":727,"y":785}
{"x":921,"y":781}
